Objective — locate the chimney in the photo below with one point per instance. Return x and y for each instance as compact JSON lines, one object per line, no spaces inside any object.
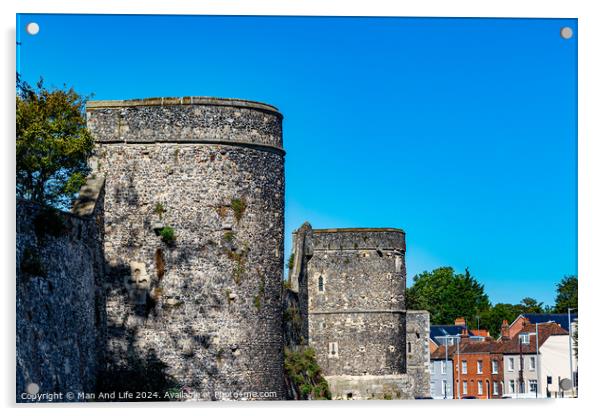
{"x":505,"y":330}
{"x":460,"y":322}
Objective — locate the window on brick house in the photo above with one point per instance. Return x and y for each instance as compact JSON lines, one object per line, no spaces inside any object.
{"x":464,"y":387}
{"x":494,"y":367}
{"x":480,"y":367}
{"x":496,"y":392}
{"x":464,"y":367}
{"x":524,"y":339}
{"x":480,"y":387}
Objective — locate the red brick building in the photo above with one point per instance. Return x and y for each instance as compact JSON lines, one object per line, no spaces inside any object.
{"x":478,"y":367}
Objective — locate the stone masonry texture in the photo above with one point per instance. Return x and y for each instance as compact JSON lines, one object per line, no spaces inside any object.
{"x":418,"y":352}
{"x":60,"y":314}
{"x":202,"y":310}
{"x":353,"y":282}
{"x":360,"y":305}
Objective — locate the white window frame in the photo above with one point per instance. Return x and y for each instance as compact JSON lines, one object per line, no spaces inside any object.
{"x":532,"y":383}
{"x":510,"y":364}
{"x":479,"y":366}
{"x":494,"y":367}
{"x":465,"y":387}
{"x":524,"y":339}
{"x":443,"y":367}
{"x":464,"y":367}
{"x":480,"y":387}
{"x":532,"y":363}
{"x":443,"y":387}
{"x":511,"y":386}
{"x":496,"y":391}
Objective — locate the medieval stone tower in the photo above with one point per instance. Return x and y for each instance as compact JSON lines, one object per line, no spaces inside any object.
{"x":193,"y":238}
{"x":351,"y":284}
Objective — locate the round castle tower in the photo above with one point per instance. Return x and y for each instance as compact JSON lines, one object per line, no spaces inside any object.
{"x":194,"y":205}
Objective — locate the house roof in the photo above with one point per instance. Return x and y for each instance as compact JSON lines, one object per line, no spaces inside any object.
{"x":439,"y":353}
{"x":440,"y":331}
{"x":545,"y":330}
{"x":467,"y":346}
{"x":559,"y":318}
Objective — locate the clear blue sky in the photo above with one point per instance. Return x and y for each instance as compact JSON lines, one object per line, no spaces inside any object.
{"x":460,"y":131}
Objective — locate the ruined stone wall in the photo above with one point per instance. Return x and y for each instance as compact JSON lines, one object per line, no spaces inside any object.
{"x":355,"y":285}
{"x":59,"y":298}
{"x":302,"y":252}
{"x":418,"y":352}
{"x":202,"y":312}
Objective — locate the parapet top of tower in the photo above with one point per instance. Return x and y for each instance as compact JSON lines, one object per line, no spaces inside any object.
{"x":359,"y":239}
{"x":186,"y":120}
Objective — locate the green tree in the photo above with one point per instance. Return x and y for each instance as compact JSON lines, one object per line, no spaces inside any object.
{"x":492,"y":318}
{"x":53,"y":144}
{"x":530,"y":305}
{"x":566,"y":294}
{"x":447,"y":295}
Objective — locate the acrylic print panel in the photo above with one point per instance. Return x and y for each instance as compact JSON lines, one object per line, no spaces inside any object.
{"x":295,"y":208}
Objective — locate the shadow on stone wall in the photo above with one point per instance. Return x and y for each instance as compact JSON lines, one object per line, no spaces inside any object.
{"x":60,"y":303}
{"x":143,"y":378}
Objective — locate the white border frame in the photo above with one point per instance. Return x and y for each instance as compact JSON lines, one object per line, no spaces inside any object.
{"x":589,"y":172}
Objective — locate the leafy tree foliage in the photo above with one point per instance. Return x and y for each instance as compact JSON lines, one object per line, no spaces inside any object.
{"x":304,"y":376}
{"x":492,"y":318}
{"x":447,"y":295}
{"x":566,"y":294}
{"x":53,"y":144}
{"x":530,"y":305}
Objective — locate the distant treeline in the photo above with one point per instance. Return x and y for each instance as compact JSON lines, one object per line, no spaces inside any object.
{"x":448,"y":295}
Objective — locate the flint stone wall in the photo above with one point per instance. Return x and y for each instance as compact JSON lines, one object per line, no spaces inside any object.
{"x":418,"y":356}
{"x":212,"y":318}
{"x":361,"y":306}
{"x":60,"y":304}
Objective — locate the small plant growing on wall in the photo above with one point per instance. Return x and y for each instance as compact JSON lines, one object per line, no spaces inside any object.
{"x":238,"y":207}
{"x":229,"y":237}
{"x":220,"y":355}
{"x":257,"y":302}
{"x":168,"y":235}
{"x":160,"y":210}
{"x":291,"y":261}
